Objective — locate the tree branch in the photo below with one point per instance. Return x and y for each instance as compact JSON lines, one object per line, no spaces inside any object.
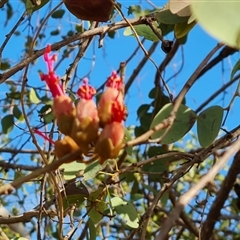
{"x":221,"y":197}
{"x":87,"y":34}
{"x":188,"y":196}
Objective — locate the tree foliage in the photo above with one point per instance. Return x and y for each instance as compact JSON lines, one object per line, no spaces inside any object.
{"x":168,"y":176}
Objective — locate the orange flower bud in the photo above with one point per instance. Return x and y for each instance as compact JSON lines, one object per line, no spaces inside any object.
{"x":66,"y":146}
{"x":84,"y":133}
{"x":110,"y":141}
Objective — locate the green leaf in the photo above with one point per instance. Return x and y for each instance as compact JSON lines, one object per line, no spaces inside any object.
{"x":137,"y":11}
{"x":164,"y":198}
{"x":138,"y":131}
{"x":144,"y":31}
{"x":92,"y":170}
{"x":7,"y":123}
{"x":182,"y":29}
{"x":92,"y":230}
{"x":74,"y":194}
{"x":180,"y":7}
{"x":142,"y":110}
{"x":111,"y":34}
{"x":145,"y":121}
{"x":33,"y":96}
{"x":126,"y":211}
{"x":30,"y":8}
{"x":9,"y":12}
{"x":97,"y":204}
{"x":46,"y":114}
{"x":72,"y":169}
{"x":208,"y":125}
{"x":5,"y":65}
{"x":167,"y":17}
{"x":158,"y":166}
{"x":17,"y":113}
{"x":185,"y":118}
{"x":58,"y":14}
{"x":14,"y":95}
{"x":55,"y":32}
{"x":235,"y":69}
{"x":223,"y":24}
{"x":128,"y":137}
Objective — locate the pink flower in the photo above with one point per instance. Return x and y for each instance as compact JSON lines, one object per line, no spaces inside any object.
{"x":111,"y":138}
{"x":113,"y":93}
{"x":85,"y":126}
{"x":86,"y":107}
{"x":62,"y":105}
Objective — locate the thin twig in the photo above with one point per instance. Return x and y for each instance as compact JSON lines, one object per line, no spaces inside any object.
{"x":9,"y":35}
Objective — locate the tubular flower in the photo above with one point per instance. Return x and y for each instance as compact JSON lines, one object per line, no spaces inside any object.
{"x":51,"y":78}
{"x":85,"y":126}
{"x":62,"y":105}
{"x":112,"y":93}
{"x":110,"y":140}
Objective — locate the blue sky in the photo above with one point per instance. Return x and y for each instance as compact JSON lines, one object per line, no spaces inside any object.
{"x":198,"y":45}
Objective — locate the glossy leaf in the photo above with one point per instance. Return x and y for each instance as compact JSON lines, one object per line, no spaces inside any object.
{"x":33,"y":96}
{"x":208,"y":125}
{"x":7,"y":123}
{"x":223,"y":24}
{"x":126,"y":211}
{"x":185,"y":118}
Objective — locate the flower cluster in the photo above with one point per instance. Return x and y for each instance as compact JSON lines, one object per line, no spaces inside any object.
{"x":96,"y":129}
